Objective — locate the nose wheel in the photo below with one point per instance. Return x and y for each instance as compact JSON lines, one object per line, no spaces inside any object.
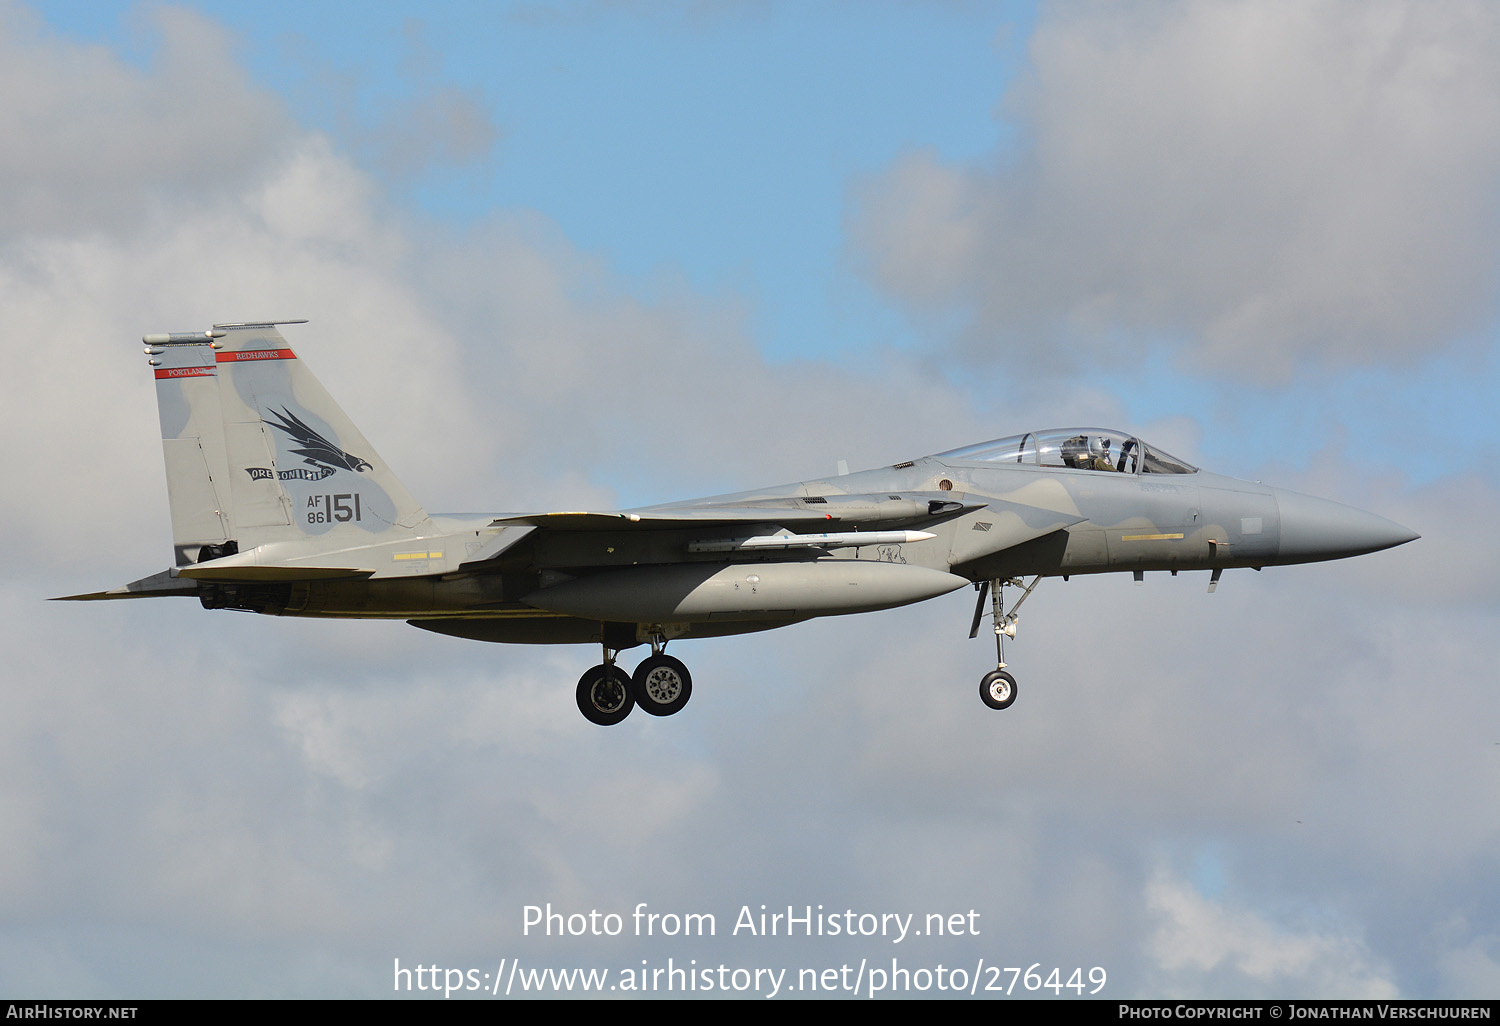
{"x":997,"y":689}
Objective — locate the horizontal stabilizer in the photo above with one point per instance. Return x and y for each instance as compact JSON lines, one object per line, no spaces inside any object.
{"x":155,"y":586}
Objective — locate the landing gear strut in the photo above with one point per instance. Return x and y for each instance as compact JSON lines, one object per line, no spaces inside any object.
{"x":661,"y":685}
{"x":997,"y":689}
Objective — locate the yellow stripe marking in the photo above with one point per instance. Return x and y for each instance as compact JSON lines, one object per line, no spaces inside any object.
{"x":1151,"y":537}
{"x":418,"y":555}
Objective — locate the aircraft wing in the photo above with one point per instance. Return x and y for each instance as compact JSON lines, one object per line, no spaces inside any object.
{"x":820,"y":521}
{"x":790,"y":512}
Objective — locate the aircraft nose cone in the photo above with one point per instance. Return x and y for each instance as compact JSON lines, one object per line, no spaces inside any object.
{"x":1314,"y":529}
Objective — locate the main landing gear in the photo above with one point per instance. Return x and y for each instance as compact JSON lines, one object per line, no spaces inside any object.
{"x":997,"y":689}
{"x":661,"y":685}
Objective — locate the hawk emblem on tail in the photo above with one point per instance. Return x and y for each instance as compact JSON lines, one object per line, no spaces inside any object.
{"x":318,"y":451}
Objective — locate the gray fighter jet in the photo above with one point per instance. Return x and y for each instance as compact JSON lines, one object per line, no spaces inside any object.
{"x":280,"y":506}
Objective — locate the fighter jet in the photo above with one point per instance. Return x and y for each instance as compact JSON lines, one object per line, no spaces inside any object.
{"x":281,"y":506}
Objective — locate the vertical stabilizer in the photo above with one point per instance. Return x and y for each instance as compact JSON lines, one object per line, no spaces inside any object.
{"x":192,"y":441}
{"x":284,"y":464}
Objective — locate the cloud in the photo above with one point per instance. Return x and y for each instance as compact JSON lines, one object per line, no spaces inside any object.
{"x":445,"y":127}
{"x":432,"y":125}
{"x":133,"y":139}
{"x":1261,"y":186}
{"x":407,"y":125}
{"x":1472,"y":968}
{"x":1195,"y":937}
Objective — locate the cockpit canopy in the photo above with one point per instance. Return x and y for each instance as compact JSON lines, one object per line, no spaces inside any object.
{"x":1099,"y":449}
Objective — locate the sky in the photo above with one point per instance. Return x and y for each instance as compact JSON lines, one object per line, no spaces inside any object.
{"x":610,"y":253}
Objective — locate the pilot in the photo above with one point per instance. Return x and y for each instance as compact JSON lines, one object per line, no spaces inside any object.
{"x":1099,"y":454}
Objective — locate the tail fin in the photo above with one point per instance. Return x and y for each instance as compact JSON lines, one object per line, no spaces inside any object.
{"x":192,"y":441}
{"x":286,"y":463}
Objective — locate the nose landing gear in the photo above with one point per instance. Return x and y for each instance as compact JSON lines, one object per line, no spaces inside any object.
{"x":997,"y":689}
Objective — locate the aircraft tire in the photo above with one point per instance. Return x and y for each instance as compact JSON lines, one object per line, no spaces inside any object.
{"x":604,"y":695}
{"x":661,"y":685}
{"x":997,"y":689}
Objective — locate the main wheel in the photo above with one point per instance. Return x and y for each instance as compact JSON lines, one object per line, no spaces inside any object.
{"x":604,"y":695}
{"x":662,"y":685}
{"x":998,"y":689}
